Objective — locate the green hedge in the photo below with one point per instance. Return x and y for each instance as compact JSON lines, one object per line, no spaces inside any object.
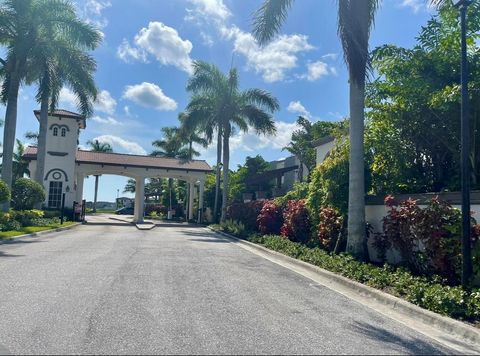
{"x":430,"y":293}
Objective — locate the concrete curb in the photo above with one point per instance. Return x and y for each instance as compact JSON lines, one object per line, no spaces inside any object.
{"x":142,"y":226}
{"x":443,"y":323}
{"x":40,"y":233}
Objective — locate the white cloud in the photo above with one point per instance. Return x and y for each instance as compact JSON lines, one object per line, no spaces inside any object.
{"x":149,"y":95}
{"x":106,"y":120}
{"x":105,"y":103}
{"x":274,"y":60}
{"x":252,"y":142}
{"x":317,"y":70}
{"x":162,"y":42}
{"x":417,"y":5}
{"x":91,"y":11}
{"x":207,"y":9}
{"x":118,"y":142}
{"x":67,"y":99}
{"x":296,"y":107}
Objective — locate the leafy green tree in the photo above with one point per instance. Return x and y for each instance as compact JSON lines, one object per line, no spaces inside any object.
{"x":25,"y":26}
{"x":26,"y":193}
{"x":97,"y":146}
{"x":240,"y":181}
{"x":355,"y":20}
{"x":413,"y":130}
{"x":5,"y":194}
{"x":218,"y":99}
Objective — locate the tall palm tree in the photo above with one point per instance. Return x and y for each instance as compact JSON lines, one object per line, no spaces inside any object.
{"x":97,"y":146}
{"x":190,"y":135}
{"x":170,"y":146}
{"x":63,"y":64}
{"x":219,"y":100}
{"x":23,"y":25}
{"x":355,"y":21}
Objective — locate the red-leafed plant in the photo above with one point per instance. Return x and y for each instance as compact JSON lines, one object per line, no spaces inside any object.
{"x":270,"y":219}
{"x":427,"y":239}
{"x":246,"y":213}
{"x":296,"y":221}
{"x":330,"y":228}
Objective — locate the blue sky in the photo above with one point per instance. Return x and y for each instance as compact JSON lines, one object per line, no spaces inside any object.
{"x":145,"y":60}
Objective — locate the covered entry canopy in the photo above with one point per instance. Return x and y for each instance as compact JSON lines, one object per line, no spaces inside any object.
{"x":133,"y":166}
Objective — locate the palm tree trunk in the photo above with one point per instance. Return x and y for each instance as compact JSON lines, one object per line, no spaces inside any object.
{"x":95,"y":196}
{"x":9,"y":131}
{"x":226,"y":173}
{"x":356,"y":243}
{"x":42,"y":140}
{"x":218,"y":176}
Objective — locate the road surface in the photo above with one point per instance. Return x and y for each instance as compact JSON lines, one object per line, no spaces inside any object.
{"x":106,"y":288}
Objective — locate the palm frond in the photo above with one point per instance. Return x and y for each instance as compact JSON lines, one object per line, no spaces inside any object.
{"x":269,"y":18}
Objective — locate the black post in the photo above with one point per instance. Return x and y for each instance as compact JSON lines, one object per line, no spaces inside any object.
{"x":62,"y":210}
{"x":465,"y":152}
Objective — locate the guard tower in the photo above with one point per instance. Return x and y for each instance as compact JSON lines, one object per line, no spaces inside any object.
{"x":61,"y":147}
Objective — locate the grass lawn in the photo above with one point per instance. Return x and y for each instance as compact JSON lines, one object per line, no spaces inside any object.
{"x":32,"y":229}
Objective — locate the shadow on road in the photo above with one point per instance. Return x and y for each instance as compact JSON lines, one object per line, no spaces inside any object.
{"x":108,"y":223}
{"x":415,"y":346}
{"x":3,"y":254}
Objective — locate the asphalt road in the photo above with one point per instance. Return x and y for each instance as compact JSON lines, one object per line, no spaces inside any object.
{"x":112,"y":289}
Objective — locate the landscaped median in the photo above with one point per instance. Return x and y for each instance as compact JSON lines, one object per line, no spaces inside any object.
{"x":4,"y":235}
{"x":428,"y":293}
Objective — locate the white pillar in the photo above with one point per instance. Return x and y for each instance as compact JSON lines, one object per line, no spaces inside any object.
{"x":79,"y":192}
{"x":139,"y":199}
{"x":191,"y":196}
{"x":200,"y":202}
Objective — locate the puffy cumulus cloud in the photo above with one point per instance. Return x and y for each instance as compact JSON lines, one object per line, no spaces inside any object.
{"x":317,"y":70}
{"x":106,"y":120}
{"x":272,"y":61}
{"x":211,"y":9}
{"x":120,"y":144}
{"x":296,"y":107}
{"x":91,"y":11}
{"x":67,"y":99}
{"x":149,"y":95}
{"x":161,"y":42}
{"x":105,"y":102}
{"x":251,"y":142}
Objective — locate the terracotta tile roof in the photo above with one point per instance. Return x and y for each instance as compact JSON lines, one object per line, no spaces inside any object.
{"x":66,"y":114}
{"x":118,"y":159}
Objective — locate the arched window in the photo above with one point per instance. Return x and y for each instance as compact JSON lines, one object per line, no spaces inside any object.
{"x":55,"y":131}
{"x":63,"y":132}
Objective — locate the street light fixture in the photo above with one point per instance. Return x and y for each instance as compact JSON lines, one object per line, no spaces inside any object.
{"x":462,"y":5}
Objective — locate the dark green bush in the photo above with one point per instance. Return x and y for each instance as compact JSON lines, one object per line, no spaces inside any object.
{"x":10,"y":225}
{"x":26,"y":193}
{"x":429,"y":293}
{"x":25,"y":217}
{"x":4,"y":192}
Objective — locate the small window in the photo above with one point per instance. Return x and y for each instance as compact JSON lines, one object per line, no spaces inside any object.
{"x":63,"y":132}
{"x":55,"y":195}
{"x":55,"y":131}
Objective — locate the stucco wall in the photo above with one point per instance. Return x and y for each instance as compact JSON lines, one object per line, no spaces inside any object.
{"x":323,"y":150}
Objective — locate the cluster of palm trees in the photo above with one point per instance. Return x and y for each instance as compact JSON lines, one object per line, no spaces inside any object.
{"x":46,"y":45}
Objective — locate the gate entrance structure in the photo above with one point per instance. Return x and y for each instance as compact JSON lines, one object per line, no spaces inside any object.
{"x":66,"y":166}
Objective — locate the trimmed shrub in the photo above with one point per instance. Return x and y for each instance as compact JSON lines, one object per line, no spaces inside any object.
{"x":234,"y":227}
{"x":5,"y":194}
{"x":270,"y":219}
{"x":246,"y":213}
{"x":10,"y":225}
{"x":157,"y":208}
{"x":25,"y":217}
{"x":26,"y":193}
{"x":428,"y":293}
{"x":330,"y":228}
{"x":296,"y":221}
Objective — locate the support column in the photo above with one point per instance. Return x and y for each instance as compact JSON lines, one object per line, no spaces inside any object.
{"x":79,"y":191}
{"x":139,"y":199}
{"x":200,"y":202}
{"x":190,"y":200}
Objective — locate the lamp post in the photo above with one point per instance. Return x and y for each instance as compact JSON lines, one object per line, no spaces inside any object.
{"x":462,"y":5}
